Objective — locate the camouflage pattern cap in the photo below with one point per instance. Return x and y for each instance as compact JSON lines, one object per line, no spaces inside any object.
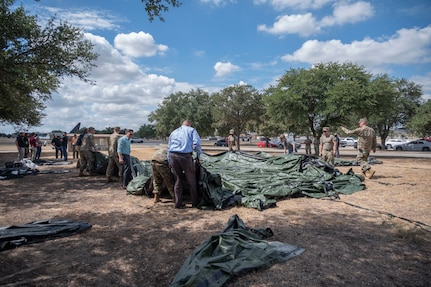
{"x":362,"y":120}
{"x":231,"y":132}
{"x":325,"y":129}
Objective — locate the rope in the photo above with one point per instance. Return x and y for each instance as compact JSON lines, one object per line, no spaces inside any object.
{"x":417,"y":223}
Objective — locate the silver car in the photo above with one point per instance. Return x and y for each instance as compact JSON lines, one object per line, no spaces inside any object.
{"x":416,"y":145}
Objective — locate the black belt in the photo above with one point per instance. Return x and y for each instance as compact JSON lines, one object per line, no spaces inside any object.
{"x":181,"y":153}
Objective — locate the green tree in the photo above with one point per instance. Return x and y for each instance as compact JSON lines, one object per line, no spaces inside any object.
{"x":304,"y":100}
{"x":33,"y":60}
{"x":394,"y":102}
{"x":146,"y":131}
{"x":236,"y":107}
{"x":194,"y":105}
{"x":420,"y":123}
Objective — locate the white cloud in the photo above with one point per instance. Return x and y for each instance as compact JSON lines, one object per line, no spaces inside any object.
{"x":87,"y":19}
{"x":138,"y":45}
{"x":123,"y":94}
{"x":295,"y":4}
{"x":407,"y":46}
{"x":425,"y":82}
{"x":304,"y":25}
{"x":349,"y":13}
{"x":223,"y":69}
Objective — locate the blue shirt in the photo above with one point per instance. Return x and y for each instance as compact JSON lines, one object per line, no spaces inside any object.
{"x":124,"y":145}
{"x":184,"y":139}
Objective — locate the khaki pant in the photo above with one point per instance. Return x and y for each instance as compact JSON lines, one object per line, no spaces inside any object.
{"x":328,"y":156}
{"x":112,"y":164}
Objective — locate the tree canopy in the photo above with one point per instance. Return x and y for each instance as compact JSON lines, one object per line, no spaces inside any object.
{"x":154,"y":8}
{"x":236,"y":107}
{"x":33,"y":61}
{"x":194,"y":105}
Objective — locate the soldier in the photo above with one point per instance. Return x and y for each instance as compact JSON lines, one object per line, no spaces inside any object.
{"x":366,"y":143}
{"x":88,"y":153}
{"x":231,"y":141}
{"x":113,"y":156}
{"x":162,"y":174}
{"x":328,"y":146}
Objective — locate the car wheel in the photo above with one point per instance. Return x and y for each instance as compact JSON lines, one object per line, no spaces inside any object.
{"x":398,"y":148}
{"x":425,"y":149}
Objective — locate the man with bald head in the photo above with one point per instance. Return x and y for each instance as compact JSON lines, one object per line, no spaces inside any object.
{"x":182,"y":142}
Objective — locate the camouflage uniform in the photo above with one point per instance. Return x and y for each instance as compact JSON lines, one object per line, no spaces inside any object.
{"x":88,"y":157}
{"x":113,"y":158}
{"x":162,"y":173}
{"x":327,"y":148}
{"x":367,"y":142}
{"x":231,"y":141}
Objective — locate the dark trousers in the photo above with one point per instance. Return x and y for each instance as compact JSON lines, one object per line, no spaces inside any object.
{"x":127,"y":169}
{"x":58,"y":150}
{"x":64,"y":152}
{"x":183,"y":163}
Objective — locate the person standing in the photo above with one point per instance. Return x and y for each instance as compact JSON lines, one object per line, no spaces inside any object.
{"x":161,"y":174}
{"x":39,"y":144}
{"x":33,"y":146}
{"x":337,"y":139}
{"x":78,"y":146}
{"x":88,"y":153}
{"x":74,"y":140}
{"x":308,"y":143}
{"x":328,"y":146}
{"x":367,"y":142}
{"x":20,"y":145}
{"x":182,"y":142}
{"x":123,"y":151}
{"x":27,"y":145}
{"x":113,"y":157}
{"x":64,"y":141}
{"x":56,"y":143}
{"x":231,"y":141}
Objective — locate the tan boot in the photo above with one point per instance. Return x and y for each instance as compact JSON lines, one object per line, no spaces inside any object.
{"x":371,"y":173}
{"x":156,"y":198}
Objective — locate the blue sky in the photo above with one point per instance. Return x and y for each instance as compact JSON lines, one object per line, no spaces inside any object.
{"x":211,"y":44}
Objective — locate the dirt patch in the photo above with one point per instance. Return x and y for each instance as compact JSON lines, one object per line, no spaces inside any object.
{"x":370,"y":238}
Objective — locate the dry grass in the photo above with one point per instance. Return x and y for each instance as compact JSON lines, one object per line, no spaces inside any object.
{"x":359,"y":240}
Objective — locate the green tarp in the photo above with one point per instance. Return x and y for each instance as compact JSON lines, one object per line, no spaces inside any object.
{"x":260,"y":180}
{"x":233,"y":252}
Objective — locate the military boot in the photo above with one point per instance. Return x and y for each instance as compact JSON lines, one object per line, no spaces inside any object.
{"x":156,"y":198}
{"x":371,"y":173}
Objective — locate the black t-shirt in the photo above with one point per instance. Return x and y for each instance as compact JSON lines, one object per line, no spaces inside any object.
{"x":64,"y":143}
{"x":22,"y":141}
{"x":56,"y":141}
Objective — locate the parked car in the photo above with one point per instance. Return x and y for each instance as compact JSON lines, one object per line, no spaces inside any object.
{"x":212,"y":138}
{"x":391,"y":142}
{"x":263,"y":144}
{"x":416,"y":145}
{"x":221,"y":142}
{"x":136,"y":140}
{"x":347,"y":142}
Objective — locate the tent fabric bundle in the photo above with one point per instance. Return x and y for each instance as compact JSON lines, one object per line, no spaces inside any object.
{"x":259,"y":180}
{"x":236,"y":250}
{"x":38,"y":231}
